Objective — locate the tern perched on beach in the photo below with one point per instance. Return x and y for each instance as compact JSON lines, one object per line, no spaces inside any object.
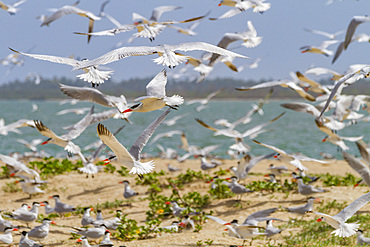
{"x":86,"y":218}
{"x":92,"y":232}
{"x":111,"y":223}
{"x":304,"y":208}
{"x":238,"y":231}
{"x":26,"y":242}
{"x":307,"y":189}
{"x":42,"y":231}
{"x":61,"y":207}
{"x":361,"y":239}
{"x":31,"y":186}
{"x":338,"y":221}
{"x":5,"y":224}
{"x":25,"y":215}
{"x":156,"y":96}
{"x":7,"y":237}
{"x":128,"y":193}
{"x":131,"y":158}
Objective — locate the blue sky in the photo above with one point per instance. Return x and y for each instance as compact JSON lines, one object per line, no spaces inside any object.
{"x":282,"y":29}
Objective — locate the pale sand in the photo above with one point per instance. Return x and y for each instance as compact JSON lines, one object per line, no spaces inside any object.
{"x":78,"y":190}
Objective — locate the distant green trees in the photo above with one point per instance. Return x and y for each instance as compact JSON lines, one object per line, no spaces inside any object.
{"x":49,"y":88}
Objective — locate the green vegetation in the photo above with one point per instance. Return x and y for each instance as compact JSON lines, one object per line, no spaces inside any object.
{"x":11,"y":187}
{"x":333,"y":180}
{"x":129,"y":230}
{"x":272,"y":187}
{"x":161,"y":189}
{"x":221,"y":191}
{"x":51,"y":166}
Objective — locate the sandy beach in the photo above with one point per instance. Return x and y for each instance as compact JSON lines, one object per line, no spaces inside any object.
{"x":77,"y":190}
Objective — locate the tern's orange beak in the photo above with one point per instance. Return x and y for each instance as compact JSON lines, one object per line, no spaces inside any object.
{"x":42,"y":204}
{"x":12,"y":175}
{"x":15,"y":229}
{"x":79,"y":240}
{"x":53,"y":223}
{"x":266,"y":175}
{"x":127,"y":110}
{"x":182,"y":224}
{"x":168,"y":203}
{"x":319,"y":220}
{"x":294,"y":180}
{"x":45,"y":142}
{"x":317,"y":200}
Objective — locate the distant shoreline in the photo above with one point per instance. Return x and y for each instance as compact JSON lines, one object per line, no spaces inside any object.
{"x":49,"y":89}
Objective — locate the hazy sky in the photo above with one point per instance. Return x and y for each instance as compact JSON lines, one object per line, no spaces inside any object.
{"x":282,"y":29}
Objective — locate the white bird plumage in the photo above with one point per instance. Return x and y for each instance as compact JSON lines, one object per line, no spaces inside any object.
{"x":131,"y":158}
{"x":338,"y":221}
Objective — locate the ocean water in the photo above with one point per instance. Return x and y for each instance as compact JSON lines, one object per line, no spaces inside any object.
{"x":294,"y":132}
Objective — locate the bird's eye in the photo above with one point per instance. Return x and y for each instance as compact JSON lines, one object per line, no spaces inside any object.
{"x":135,"y":106}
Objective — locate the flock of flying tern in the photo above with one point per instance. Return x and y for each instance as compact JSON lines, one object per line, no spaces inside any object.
{"x":346,"y":109}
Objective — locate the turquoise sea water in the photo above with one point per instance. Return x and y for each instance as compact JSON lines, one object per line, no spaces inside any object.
{"x":294,"y":132}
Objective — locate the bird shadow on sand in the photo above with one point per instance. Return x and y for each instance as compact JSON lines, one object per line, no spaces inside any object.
{"x":94,"y":191}
{"x":190,"y":245}
{"x":363,"y":212}
{"x":59,"y":232}
{"x":231,"y":203}
{"x":26,"y":199}
{"x":303,"y":200}
{"x":54,"y":244}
